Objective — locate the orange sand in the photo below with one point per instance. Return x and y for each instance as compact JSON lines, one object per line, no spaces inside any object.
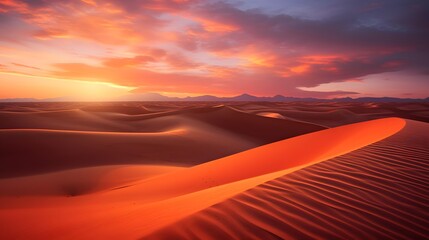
{"x":134,"y":211}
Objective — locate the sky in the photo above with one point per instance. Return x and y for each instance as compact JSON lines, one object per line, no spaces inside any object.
{"x":101,"y":49}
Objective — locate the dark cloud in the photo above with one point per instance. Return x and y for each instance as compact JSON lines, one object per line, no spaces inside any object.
{"x":375,"y":37}
{"x":342,"y":32}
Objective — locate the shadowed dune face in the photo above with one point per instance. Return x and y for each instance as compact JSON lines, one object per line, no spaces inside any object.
{"x":210,"y":171}
{"x":80,"y":181}
{"x":33,"y":151}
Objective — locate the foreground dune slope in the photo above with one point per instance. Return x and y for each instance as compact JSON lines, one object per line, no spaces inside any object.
{"x":136,"y":210}
{"x":376,"y":192}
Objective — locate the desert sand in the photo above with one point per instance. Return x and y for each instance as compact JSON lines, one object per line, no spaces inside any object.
{"x":214,"y":171}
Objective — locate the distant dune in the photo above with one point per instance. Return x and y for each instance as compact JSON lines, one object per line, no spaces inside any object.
{"x":33,"y":142}
{"x":156,"y":97}
{"x":210,"y":171}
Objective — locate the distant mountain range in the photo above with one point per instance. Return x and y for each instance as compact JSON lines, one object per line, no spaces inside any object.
{"x":137,"y":97}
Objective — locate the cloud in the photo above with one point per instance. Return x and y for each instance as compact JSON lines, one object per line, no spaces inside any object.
{"x":104,"y":22}
{"x":206,"y":46}
{"x":123,"y":62}
{"x":261,"y":83}
{"x":346,"y":33}
{"x":174,"y":61}
{"x":25,"y":66}
{"x":179,"y":61}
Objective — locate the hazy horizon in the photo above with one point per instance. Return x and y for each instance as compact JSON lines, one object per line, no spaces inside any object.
{"x":153,"y":97}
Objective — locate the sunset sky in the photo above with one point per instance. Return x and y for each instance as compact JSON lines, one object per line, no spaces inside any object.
{"x":97,"y":50}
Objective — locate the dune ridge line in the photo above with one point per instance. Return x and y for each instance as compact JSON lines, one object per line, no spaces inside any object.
{"x":281,"y":156}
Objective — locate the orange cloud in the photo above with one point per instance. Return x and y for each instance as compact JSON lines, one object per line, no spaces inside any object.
{"x":221,"y":72}
{"x":300,"y":68}
{"x":214,"y":26}
{"x":123,"y":62}
{"x":133,"y":77}
{"x":51,"y":33}
{"x":179,"y":61}
{"x":7,"y":5}
{"x":102,"y":22}
{"x":321,"y":59}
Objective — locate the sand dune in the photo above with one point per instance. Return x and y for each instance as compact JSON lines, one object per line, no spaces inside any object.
{"x":210,"y":171}
{"x":191,"y":190}
{"x":337,"y":114}
{"x":184,"y":138}
{"x":377,"y":192}
{"x":32,"y":151}
{"x":124,"y":109}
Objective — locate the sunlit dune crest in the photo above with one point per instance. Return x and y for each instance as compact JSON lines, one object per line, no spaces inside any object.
{"x":271,"y":115}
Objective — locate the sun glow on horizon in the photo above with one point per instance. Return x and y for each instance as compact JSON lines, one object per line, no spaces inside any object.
{"x":40,"y":87}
